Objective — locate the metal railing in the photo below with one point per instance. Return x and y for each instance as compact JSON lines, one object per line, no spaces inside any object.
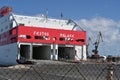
{"x":60,"y":70}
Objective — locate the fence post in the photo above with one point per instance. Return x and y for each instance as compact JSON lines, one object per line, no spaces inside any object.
{"x":110,"y":72}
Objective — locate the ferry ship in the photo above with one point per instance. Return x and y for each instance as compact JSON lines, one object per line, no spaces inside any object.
{"x":26,"y":38}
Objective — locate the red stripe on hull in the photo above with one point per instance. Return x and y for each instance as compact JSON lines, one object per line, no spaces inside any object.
{"x":47,"y":35}
{"x":8,"y":37}
{"x":43,"y":35}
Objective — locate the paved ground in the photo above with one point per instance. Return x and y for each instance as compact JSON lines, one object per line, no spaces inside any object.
{"x":55,"y":70}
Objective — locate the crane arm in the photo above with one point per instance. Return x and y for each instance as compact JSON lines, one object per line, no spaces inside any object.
{"x":98,"y":41}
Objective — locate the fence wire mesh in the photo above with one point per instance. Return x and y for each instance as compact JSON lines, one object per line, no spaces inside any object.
{"x":56,"y":70}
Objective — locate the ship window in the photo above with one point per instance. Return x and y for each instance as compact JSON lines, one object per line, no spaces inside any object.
{"x":80,"y":40}
{"x":28,"y":36}
{"x":38,"y":37}
{"x":42,"y":37}
{"x":66,"y":39}
{"x":62,"y":39}
{"x":13,"y":39}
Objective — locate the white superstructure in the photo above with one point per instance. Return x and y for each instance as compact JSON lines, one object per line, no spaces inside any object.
{"x":16,"y":39}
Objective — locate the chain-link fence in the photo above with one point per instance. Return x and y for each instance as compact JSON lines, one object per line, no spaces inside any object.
{"x":56,"y":70}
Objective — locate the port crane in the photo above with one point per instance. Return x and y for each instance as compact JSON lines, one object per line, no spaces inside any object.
{"x":96,"y":45}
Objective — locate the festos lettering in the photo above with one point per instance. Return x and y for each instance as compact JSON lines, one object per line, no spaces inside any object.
{"x":41,"y":33}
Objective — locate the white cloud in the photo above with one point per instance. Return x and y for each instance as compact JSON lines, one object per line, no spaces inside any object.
{"x":110,"y":31}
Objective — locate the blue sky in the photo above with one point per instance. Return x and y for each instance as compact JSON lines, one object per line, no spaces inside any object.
{"x":74,"y":9}
{"x":92,"y":15}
